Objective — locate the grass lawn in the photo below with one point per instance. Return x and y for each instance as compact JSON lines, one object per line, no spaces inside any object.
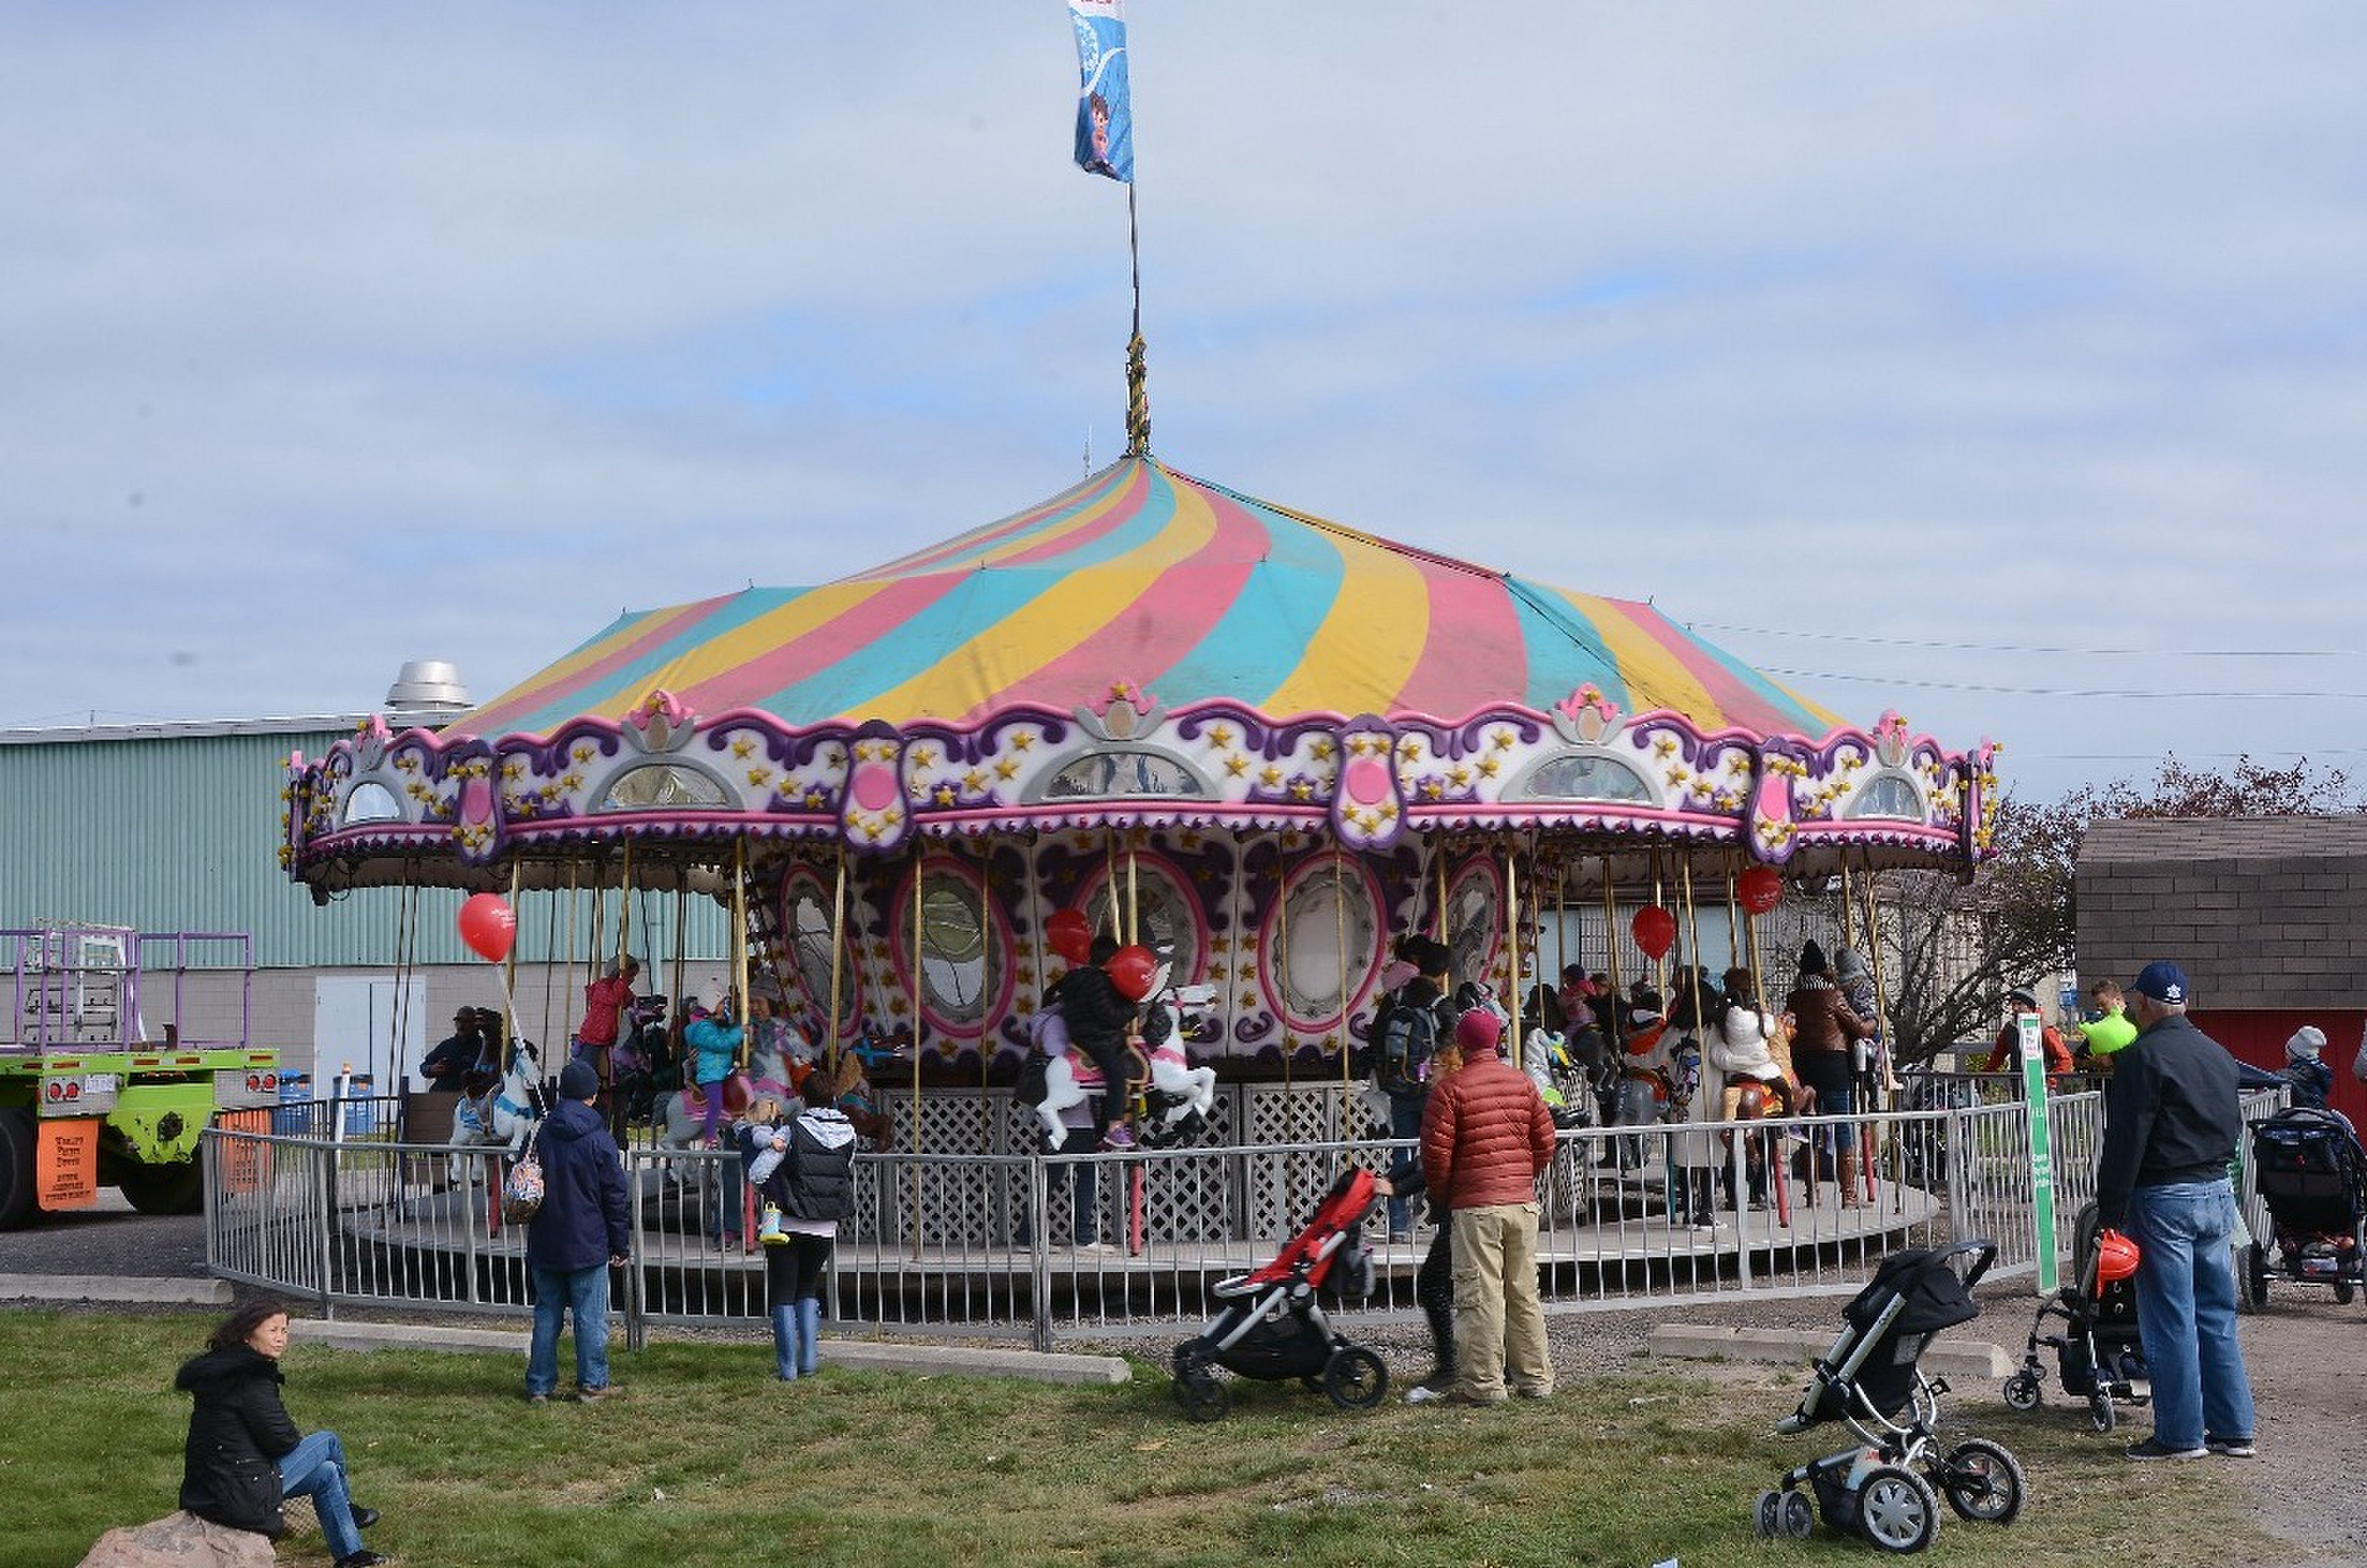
{"x":707,"y":1459}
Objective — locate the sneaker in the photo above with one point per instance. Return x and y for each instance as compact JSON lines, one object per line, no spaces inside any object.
{"x":2156,"y":1449}
{"x":2231,"y":1448}
{"x":607,"y":1391}
{"x":364,"y":1558}
{"x":1401,"y":1238}
{"x":537,"y":1398}
{"x":1119,"y":1137}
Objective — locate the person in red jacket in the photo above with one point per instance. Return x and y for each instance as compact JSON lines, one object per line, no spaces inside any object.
{"x":2008,"y":1052}
{"x":1486,"y":1137}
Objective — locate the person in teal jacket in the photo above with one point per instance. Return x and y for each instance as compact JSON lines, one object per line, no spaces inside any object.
{"x":714,"y":1041}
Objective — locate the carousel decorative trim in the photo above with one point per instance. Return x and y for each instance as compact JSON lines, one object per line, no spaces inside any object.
{"x":1124,"y":761}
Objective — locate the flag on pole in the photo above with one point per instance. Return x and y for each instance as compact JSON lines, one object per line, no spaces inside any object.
{"x":1104,"y":107}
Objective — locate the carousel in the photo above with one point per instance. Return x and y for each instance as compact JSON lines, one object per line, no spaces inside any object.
{"x":1258,"y":744}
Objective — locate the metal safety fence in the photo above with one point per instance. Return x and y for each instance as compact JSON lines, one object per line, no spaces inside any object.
{"x":1020,"y":1245}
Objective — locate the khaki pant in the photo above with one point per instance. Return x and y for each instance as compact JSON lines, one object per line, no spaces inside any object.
{"x":1500,"y":1320}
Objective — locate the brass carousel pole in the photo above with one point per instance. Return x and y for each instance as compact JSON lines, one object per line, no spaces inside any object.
{"x":1512,"y":946}
{"x":920,"y":867}
{"x":1340,"y":920}
{"x":838,"y":964}
{"x":1610,"y":953}
{"x":985,"y":982}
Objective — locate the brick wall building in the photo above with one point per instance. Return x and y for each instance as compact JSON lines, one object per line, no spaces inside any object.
{"x":2267,"y":915}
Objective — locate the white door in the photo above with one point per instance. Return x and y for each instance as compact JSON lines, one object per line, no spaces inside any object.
{"x":371,"y":1025}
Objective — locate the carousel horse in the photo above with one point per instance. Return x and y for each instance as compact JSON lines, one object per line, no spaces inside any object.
{"x":1180,"y":1095}
{"x":518,"y":1105}
{"x":471,"y":1123}
{"x":1069,"y":1075}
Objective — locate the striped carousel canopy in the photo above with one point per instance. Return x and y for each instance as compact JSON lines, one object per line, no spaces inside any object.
{"x":1184,"y":587}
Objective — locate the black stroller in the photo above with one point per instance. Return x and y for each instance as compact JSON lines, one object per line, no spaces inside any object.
{"x":2309,"y":1169}
{"x":1273,"y":1324}
{"x":1889,"y":1487}
{"x":2098,"y":1355}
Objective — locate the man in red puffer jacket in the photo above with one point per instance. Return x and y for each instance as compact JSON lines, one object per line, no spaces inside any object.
{"x":1486,"y":1135}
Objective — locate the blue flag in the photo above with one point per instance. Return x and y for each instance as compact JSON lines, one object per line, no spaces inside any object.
{"x":1104,"y":109}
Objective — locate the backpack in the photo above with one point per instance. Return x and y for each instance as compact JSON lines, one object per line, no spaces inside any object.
{"x":1408,"y":1039}
{"x":1045,"y":1029}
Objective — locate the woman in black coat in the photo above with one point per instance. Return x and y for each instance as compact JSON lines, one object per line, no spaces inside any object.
{"x":243,"y":1454}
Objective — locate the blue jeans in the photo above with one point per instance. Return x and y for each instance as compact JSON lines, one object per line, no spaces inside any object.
{"x":315,"y":1468}
{"x":2187,"y":1311}
{"x":585,"y":1293}
{"x":1405,"y":1121}
{"x":1084,"y":1182}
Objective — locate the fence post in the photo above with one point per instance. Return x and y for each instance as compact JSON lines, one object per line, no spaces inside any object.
{"x":1039,"y":1254}
{"x":1738,"y":1156}
{"x":1956,"y":1151}
{"x":636,"y":1314}
{"x":328,"y":1158}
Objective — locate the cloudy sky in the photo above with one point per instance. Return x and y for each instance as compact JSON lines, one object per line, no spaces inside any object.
{"x":2002,"y":362}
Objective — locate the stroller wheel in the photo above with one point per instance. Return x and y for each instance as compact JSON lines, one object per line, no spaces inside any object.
{"x":1983,"y":1482}
{"x":1767,"y":1517}
{"x":1896,"y":1510}
{"x":2021,"y":1391}
{"x":1799,"y":1515}
{"x":1203,"y":1395}
{"x":2345,"y":1292}
{"x":2101,"y":1414}
{"x":1355,"y":1378}
{"x":2256,"y":1277}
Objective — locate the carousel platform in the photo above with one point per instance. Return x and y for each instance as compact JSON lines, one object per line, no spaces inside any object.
{"x":1613,"y":1237}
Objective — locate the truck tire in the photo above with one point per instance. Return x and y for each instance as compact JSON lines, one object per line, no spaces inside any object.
{"x":16,"y":1168}
{"x":165,"y":1188}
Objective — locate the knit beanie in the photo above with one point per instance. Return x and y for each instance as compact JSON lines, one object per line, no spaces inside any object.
{"x":1811,"y":959}
{"x":1479,"y":1031}
{"x":2307,"y":1041}
{"x":577,"y":1081}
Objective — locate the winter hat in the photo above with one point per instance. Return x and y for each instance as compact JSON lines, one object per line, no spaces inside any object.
{"x":1427,"y":955}
{"x":1479,"y":1031}
{"x":577,"y":1081}
{"x":1396,"y":972}
{"x":2307,"y":1041}
{"x":1847,"y":964}
{"x":1811,"y":959}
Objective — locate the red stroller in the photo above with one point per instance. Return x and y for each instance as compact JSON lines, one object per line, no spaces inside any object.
{"x":1273,"y":1324}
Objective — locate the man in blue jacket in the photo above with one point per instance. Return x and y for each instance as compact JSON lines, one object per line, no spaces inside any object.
{"x":2172,"y":1118}
{"x":582,"y":1231}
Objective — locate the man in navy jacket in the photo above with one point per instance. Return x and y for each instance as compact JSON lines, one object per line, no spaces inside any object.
{"x":583,"y":1229}
{"x":2172,"y":1118}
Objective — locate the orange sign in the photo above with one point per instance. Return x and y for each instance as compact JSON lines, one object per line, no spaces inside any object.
{"x":249,"y":1168}
{"x":65,"y":1164}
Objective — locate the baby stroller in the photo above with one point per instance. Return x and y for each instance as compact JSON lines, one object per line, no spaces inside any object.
{"x":2308,"y":1168}
{"x":1273,"y":1324}
{"x":1888,"y":1488}
{"x":2098,"y":1355}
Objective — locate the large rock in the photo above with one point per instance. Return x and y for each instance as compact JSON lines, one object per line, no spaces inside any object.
{"x":179,"y":1541}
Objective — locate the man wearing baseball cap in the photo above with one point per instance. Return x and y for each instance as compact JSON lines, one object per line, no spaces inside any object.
{"x":2172,"y":1118}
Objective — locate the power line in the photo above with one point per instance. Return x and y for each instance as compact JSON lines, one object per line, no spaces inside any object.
{"x":2070,"y":692}
{"x":2031,"y":648}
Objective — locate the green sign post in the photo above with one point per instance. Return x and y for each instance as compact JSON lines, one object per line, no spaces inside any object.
{"x":2041,"y":1150}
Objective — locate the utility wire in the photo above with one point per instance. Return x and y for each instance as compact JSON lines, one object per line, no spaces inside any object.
{"x":2031,"y":648}
{"x":2068,"y":692}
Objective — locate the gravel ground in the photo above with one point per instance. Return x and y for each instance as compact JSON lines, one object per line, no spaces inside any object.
{"x":2304,"y":1354}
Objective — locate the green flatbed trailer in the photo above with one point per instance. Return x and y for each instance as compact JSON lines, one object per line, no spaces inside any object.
{"x":85,"y":1100}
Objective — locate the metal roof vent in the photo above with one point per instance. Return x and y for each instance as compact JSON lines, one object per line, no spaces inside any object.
{"x":428,"y":688}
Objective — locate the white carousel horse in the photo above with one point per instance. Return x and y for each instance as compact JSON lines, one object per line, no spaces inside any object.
{"x":1064,"y":1084}
{"x":1180,"y":1095}
{"x":516,"y":1103}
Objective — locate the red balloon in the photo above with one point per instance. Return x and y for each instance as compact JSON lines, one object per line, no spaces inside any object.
{"x":488,"y":925}
{"x":1655,"y":931}
{"x":1758,"y":888}
{"x":1133,"y":969}
{"x":1069,"y":935}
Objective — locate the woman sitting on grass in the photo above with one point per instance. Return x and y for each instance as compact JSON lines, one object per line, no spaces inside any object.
{"x":244,"y":1456}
